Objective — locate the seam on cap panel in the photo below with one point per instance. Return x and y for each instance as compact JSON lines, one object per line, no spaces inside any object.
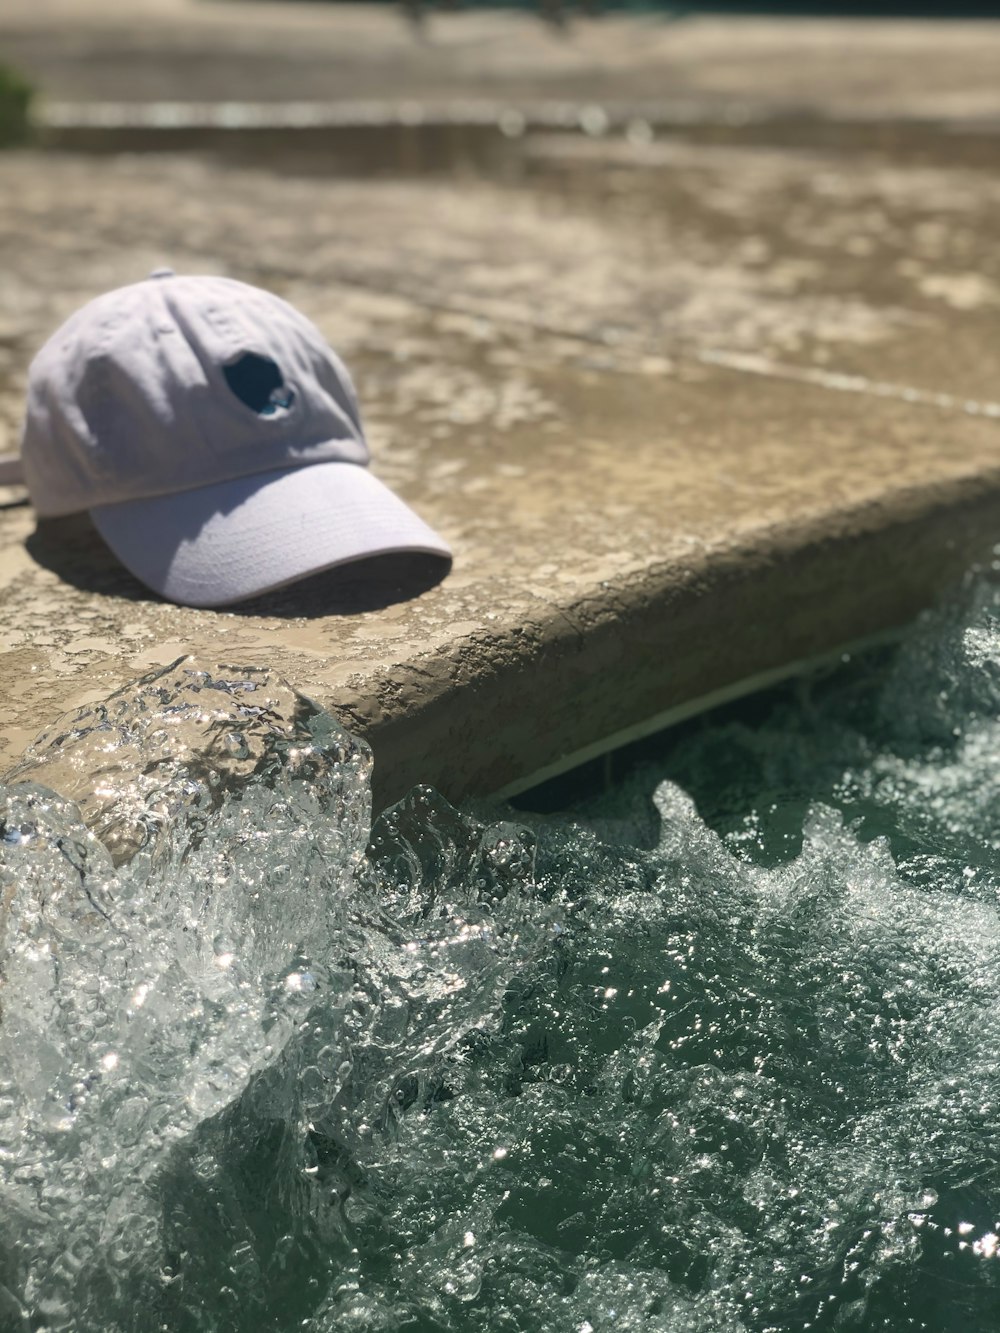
{"x":95,"y":392}
{"x":317,"y":360}
{"x":173,"y":296}
{"x":224,"y":324}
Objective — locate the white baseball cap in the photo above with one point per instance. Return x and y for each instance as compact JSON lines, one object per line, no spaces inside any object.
{"x":214,"y":438}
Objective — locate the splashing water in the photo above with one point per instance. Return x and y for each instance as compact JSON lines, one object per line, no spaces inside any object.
{"x":642,"y":1068}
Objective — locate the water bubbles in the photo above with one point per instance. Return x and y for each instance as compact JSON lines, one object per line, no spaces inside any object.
{"x":236,"y":745}
{"x":16,"y":835}
{"x":485,"y":1075}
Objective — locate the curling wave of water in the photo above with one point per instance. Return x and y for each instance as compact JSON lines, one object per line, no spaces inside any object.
{"x":643,"y":1068}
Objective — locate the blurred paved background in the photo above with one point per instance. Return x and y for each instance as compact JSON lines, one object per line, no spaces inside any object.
{"x":701,"y":389}
{"x":218,"y":49}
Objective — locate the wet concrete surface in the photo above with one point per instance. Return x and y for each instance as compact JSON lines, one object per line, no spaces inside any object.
{"x":691,"y":406}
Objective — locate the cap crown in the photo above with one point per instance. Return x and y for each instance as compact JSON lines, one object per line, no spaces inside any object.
{"x":130,"y":398}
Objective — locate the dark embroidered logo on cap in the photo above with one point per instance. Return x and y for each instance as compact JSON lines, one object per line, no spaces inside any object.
{"x":257,"y":382}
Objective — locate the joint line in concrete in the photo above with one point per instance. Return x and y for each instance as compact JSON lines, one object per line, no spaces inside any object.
{"x":751,"y":364}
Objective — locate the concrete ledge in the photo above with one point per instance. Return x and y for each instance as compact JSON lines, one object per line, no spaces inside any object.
{"x":499,"y":708}
{"x":690,"y":412}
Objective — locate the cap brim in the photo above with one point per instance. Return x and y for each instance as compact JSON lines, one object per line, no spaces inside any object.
{"x":224,"y":543}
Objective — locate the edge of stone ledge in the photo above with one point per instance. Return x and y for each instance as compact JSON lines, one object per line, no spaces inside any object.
{"x":546,"y":696}
{"x":514,"y":704}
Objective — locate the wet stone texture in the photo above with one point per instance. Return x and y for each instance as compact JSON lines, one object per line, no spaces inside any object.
{"x":690,"y":406}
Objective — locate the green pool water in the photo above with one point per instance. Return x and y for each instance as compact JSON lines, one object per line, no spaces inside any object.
{"x":715,"y":1050}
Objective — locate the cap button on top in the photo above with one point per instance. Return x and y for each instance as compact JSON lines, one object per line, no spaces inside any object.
{"x":162,"y":273}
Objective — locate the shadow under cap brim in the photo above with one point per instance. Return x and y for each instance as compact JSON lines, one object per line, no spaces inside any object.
{"x":224,"y":543}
